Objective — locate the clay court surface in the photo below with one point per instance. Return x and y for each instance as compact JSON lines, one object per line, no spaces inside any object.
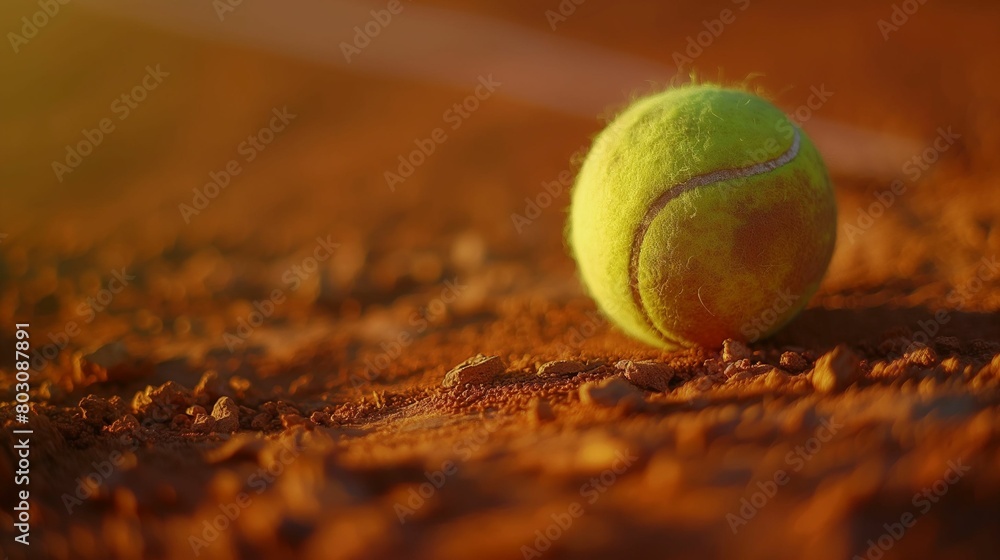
{"x":262,"y":373}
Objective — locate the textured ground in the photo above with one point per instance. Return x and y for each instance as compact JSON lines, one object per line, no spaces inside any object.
{"x":267,"y":378}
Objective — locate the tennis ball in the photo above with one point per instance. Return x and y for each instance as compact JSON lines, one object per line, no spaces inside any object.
{"x":700,"y":214}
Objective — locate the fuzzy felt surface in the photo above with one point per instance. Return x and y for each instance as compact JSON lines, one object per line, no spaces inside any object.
{"x":702,"y":213}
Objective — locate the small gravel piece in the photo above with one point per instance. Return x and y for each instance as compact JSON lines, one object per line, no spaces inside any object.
{"x":733,"y":350}
{"x":611,"y":393}
{"x":97,"y":411}
{"x":836,"y":370}
{"x":126,"y":425}
{"x":195,"y":410}
{"x":924,"y":356}
{"x":792,"y":361}
{"x":647,"y":374}
{"x":226,"y":414}
{"x":737,"y":367}
{"x":479,"y":369}
{"x":560,"y":367}
{"x":204,"y":424}
{"x":947,"y":345}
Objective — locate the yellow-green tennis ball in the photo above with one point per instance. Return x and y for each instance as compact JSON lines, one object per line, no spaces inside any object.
{"x":701,"y":214}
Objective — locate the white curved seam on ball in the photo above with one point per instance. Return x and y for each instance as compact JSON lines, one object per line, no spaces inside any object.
{"x":673,"y":192}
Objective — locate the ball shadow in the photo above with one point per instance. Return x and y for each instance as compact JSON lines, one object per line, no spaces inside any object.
{"x":824,"y":328}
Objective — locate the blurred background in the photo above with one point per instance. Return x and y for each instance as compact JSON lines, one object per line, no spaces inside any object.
{"x":514,"y":90}
{"x":337,"y":199}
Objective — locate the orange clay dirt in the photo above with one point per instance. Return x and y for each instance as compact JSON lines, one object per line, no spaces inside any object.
{"x":169,"y":426}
